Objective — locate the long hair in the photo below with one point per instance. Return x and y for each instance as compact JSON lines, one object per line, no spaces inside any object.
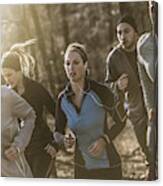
{"x":24,"y":59}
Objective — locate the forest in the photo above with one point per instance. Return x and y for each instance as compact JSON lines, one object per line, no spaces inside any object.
{"x":56,"y":25}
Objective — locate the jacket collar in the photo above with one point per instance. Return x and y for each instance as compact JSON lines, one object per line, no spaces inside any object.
{"x":69,"y":92}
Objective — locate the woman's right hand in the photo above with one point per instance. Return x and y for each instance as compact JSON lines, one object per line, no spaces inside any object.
{"x":97,"y":147}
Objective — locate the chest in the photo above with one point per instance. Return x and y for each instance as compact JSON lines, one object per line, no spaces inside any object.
{"x":90,"y":117}
{"x":77,"y":101}
{"x":128,"y":65}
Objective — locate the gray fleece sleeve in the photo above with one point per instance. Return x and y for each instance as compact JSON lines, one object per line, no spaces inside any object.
{"x":147,"y":87}
{"x":21,"y":109}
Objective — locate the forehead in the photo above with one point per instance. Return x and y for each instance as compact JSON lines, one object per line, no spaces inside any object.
{"x":72,"y":55}
{"x":124,"y":26}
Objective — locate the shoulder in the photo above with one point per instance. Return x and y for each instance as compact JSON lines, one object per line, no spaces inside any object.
{"x":113,"y":54}
{"x":104,"y":93}
{"x":7,"y":91}
{"x":146,"y":46}
{"x":96,"y":85}
{"x":146,"y":41}
{"x":144,"y":38}
{"x":34,"y":85}
{"x":4,"y":89}
{"x":60,"y":96}
{"x":10,"y":97}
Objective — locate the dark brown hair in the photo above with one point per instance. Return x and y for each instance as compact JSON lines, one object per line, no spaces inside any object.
{"x":79,"y":48}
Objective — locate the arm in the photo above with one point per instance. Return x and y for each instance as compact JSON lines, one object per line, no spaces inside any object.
{"x":108,"y":102}
{"x":147,"y":58}
{"x":60,"y":123}
{"x":47,"y":100}
{"x":147,"y":53}
{"x":114,"y":106}
{"x":51,"y":148}
{"x":147,"y":87}
{"x":48,"y":103}
{"x":115,"y":81}
{"x":21,"y":109}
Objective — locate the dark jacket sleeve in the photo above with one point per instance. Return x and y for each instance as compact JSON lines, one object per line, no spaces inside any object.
{"x":110,"y":68}
{"x":60,"y":125}
{"x":60,"y":117}
{"x":114,"y":107}
{"x":48,"y":102}
{"x":112,"y":73}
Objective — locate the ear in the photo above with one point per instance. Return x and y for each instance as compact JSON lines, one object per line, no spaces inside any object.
{"x":86,"y":65}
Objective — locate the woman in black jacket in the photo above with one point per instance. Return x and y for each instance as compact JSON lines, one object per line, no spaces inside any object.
{"x":39,"y":153}
{"x":83,"y":106}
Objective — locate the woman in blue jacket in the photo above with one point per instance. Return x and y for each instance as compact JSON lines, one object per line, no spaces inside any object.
{"x":82,"y":106}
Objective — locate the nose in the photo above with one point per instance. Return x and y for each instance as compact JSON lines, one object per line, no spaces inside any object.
{"x":122,"y":36}
{"x":71,"y":67}
{"x":8,"y":80}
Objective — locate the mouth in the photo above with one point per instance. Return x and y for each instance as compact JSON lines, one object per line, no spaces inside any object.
{"x":124,"y":42}
{"x":72,"y":74}
{"x":11,"y":84}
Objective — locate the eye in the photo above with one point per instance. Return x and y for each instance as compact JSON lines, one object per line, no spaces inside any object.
{"x":67,"y":63}
{"x":119,"y":32}
{"x":76,"y":62}
{"x":127,"y":31}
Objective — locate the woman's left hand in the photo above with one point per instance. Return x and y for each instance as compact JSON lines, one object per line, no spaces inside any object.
{"x":97,"y":147}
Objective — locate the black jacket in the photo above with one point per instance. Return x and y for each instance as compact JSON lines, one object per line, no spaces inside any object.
{"x":39,"y":98}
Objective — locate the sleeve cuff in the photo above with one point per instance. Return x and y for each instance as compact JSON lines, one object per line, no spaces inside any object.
{"x":106,"y":138}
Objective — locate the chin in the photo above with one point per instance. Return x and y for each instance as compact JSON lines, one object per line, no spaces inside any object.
{"x":74,"y":80}
{"x":124,"y":46}
{"x":127,"y":47}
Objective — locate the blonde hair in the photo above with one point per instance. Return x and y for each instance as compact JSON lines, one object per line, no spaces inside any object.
{"x":18,"y":58}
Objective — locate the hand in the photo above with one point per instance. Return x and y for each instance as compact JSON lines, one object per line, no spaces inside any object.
{"x":122,"y":82}
{"x":97,"y":147}
{"x":69,"y":140}
{"x":50,"y":150}
{"x":11,"y":153}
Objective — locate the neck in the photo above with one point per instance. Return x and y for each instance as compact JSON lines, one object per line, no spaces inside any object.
{"x":20,"y":85}
{"x":131,"y":49}
{"x":133,"y":46}
{"x":78,"y":87}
